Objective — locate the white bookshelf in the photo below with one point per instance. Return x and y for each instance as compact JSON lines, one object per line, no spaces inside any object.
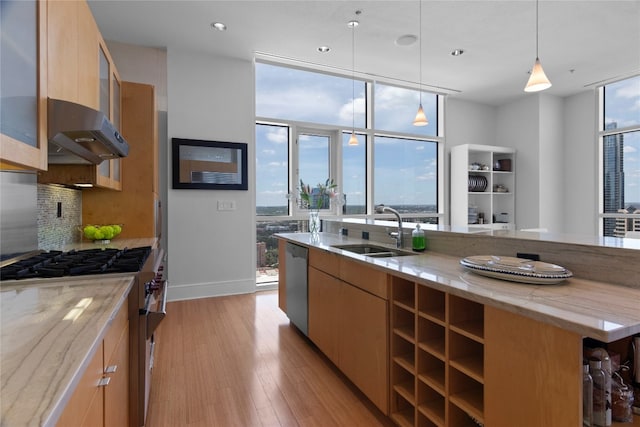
{"x":497,"y":201}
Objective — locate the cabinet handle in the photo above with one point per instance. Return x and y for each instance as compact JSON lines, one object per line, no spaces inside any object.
{"x":111,"y":369}
{"x":104,"y":381}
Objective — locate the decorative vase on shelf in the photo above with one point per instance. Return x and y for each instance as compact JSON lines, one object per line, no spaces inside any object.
{"x":314,"y":224}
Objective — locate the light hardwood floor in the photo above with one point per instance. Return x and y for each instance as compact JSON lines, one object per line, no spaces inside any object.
{"x":236,"y":361}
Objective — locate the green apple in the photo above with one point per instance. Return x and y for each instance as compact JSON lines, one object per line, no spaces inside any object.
{"x":89,"y":231}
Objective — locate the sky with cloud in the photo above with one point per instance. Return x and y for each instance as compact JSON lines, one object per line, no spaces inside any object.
{"x":405,"y":170}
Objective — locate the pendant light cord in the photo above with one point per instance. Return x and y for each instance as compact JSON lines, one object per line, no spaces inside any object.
{"x":537,"y":29}
{"x":420,"y":47}
{"x":353,"y":79}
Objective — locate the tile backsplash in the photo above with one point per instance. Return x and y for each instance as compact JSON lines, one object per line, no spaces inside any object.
{"x":59,"y":216}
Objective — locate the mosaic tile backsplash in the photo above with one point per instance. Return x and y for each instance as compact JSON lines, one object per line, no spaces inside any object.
{"x":59,"y":216}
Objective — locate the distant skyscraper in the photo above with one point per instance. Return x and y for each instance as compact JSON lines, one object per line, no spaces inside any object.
{"x":613,"y":163}
{"x":261,"y":254}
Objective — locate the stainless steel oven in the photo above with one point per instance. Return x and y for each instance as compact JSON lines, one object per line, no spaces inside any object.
{"x":152,"y":308}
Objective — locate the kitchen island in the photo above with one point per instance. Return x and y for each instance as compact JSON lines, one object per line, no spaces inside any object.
{"x":463,"y":347}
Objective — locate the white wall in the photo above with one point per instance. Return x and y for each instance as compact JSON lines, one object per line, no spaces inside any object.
{"x":469,"y":123}
{"x":580,"y":177}
{"x":211,"y":252}
{"x":466,"y":123}
{"x":518,"y":127}
{"x":551,"y":196}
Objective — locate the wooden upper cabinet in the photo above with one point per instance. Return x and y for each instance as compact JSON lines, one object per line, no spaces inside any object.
{"x":62,"y":46}
{"x":23,"y":85}
{"x":81,"y":70}
{"x":135,"y":205}
{"x":73,"y":44}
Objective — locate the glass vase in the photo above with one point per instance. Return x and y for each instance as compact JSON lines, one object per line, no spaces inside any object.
{"x":314,"y":224}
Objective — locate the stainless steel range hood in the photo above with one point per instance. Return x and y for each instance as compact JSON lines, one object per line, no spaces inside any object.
{"x":81,"y":135}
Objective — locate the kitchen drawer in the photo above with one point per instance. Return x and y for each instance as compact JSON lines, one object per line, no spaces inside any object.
{"x":325,"y":261}
{"x":364,"y":277}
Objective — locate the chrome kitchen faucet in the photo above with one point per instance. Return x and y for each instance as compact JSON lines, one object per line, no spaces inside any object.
{"x":395,"y":234}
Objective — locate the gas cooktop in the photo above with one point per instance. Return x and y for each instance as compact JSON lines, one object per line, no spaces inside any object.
{"x":77,"y":263}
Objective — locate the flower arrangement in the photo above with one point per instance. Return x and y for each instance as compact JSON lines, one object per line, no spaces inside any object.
{"x":317,"y":197}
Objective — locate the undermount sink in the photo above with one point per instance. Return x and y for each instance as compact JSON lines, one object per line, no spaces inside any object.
{"x":373,"y":250}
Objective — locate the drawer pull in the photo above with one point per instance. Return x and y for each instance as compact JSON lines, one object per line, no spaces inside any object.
{"x":104,"y":381}
{"x":111,"y":369}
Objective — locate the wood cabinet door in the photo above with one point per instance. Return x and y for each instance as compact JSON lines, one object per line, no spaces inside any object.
{"x":532,"y":372}
{"x":87,"y":72}
{"x":86,"y":404}
{"x":62,"y":45}
{"x":363,"y":343}
{"x":324,"y":312}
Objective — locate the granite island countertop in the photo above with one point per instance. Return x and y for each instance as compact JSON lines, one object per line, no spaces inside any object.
{"x":49,"y":331}
{"x":593,"y":309}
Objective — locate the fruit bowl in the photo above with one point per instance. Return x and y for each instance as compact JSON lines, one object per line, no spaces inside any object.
{"x":100,"y":233}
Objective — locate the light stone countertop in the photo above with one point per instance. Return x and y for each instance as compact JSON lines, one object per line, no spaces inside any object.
{"x":593,"y":309}
{"x":49,"y":331}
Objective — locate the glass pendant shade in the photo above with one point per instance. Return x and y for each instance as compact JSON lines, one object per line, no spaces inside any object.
{"x":538,"y":80}
{"x":421,"y":118}
{"x":353,"y":140}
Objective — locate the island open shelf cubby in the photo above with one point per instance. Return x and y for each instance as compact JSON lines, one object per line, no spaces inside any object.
{"x":437,"y":357}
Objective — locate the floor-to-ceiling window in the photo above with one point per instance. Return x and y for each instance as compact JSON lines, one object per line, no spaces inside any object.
{"x":304,"y":120}
{"x":620,"y":157}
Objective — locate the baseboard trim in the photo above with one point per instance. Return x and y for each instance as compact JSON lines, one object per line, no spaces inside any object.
{"x":212,"y":289}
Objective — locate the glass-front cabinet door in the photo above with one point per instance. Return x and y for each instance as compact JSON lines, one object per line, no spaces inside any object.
{"x":116,"y":119}
{"x":104,"y":169}
{"x":104,"y":82}
{"x":23,"y":77}
{"x":109,"y":171}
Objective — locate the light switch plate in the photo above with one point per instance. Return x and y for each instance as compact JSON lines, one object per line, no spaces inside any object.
{"x":226,"y":205}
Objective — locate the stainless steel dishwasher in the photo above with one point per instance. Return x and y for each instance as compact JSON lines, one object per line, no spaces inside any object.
{"x":296,"y":283}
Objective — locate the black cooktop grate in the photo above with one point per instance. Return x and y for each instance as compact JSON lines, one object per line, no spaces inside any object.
{"x":77,"y":263}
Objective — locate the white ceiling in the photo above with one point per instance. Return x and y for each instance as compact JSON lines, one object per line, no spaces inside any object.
{"x":581,"y":42}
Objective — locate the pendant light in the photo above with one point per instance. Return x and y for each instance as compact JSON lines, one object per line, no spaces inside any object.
{"x":421,"y":118}
{"x":538,"y":80}
{"x":353,"y":24}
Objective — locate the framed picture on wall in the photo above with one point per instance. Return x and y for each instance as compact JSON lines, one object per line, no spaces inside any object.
{"x":209,"y":165}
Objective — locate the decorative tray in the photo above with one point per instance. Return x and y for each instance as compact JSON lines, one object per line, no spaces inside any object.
{"x":516,"y":269}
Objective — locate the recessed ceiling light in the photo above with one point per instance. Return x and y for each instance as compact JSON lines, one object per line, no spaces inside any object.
{"x":219,"y":26}
{"x":457,"y":52}
{"x":324,"y":49}
{"x":406,"y":40}
{"x":353,"y":24}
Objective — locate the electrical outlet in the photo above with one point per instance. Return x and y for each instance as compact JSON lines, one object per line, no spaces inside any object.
{"x":226,"y":205}
{"x":533,"y":257}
